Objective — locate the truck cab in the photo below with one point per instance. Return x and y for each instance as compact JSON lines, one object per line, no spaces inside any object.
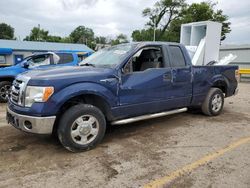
{"x":116,"y":85}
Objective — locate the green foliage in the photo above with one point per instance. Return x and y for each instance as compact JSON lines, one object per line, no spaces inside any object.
{"x":38,"y":34}
{"x":169,"y":24}
{"x":119,"y":39}
{"x":82,"y":35}
{"x":6,"y":31}
{"x":201,"y":12}
{"x":143,"y":35}
{"x":220,"y":17}
{"x":101,"y":40}
{"x":163,"y":13}
{"x":54,"y":39}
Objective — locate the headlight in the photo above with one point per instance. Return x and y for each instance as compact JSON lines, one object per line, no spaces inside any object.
{"x":37,"y":94}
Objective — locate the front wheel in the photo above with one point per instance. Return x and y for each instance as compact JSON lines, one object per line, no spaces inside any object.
{"x":214,"y":102}
{"x":81,"y":128}
{"x":5,"y":88}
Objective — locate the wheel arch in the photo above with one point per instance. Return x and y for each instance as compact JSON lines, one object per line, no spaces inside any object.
{"x":222,"y":85}
{"x":85,"y":98}
{"x":9,"y":79}
{"x":221,"y":82}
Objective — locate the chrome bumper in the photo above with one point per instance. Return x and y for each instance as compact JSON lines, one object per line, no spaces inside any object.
{"x":31,"y":124}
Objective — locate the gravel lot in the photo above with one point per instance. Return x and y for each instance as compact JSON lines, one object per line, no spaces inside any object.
{"x":135,"y":154}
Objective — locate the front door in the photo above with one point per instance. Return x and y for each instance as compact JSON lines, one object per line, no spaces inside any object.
{"x":146,"y":83}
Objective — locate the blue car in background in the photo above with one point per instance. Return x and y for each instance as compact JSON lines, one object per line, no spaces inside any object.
{"x":36,"y":61}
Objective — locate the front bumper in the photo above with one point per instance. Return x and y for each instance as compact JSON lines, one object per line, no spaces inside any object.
{"x":31,"y":124}
{"x":236,"y":91}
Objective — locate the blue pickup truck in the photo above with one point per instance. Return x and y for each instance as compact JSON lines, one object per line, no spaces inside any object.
{"x":117,"y":85}
{"x":36,"y":61}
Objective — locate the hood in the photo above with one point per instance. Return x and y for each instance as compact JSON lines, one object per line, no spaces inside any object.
{"x":66,"y":72}
{"x":11,"y":71}
{"x":63,"y":76}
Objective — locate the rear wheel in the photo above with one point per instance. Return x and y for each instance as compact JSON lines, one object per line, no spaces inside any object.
{"x":81,"y":128}
{"x":5,"y":88}
{"x":214,"y":102}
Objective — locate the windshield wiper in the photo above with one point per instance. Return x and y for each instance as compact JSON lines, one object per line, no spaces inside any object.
{"x":88,"y":64}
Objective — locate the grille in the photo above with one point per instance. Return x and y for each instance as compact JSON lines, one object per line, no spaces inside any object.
{"x":17,"y":90}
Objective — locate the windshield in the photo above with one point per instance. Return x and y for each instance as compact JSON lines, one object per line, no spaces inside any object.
{"x":108,"y":57}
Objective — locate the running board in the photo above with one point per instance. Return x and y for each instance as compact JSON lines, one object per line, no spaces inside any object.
{"x":150,"y":116}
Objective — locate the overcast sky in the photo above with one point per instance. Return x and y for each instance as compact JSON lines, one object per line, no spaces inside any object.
{"x":105,"y":17}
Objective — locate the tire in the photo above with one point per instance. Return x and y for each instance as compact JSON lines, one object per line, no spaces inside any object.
{"x":5,"y":87}
{"x":81,"y":128}
{"x":214,"y":102}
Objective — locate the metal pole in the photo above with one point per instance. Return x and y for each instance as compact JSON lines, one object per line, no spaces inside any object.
{"x":154,"y":28}
{"x":38,"y":37}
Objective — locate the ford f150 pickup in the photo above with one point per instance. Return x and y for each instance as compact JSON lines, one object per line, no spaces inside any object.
{"x":36,"y":61}
{"x":117,"y":85}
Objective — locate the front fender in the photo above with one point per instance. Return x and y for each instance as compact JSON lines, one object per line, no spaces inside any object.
{"x":10,"y":73}
{"x":62,"y":96}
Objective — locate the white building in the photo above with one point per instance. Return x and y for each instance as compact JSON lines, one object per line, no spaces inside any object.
{"x":241,"y":51}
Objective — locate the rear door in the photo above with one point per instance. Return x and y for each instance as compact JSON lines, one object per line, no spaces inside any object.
{"x":181,"y":76}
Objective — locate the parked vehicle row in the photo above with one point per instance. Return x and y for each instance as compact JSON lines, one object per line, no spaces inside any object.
{"x":116,"y":85}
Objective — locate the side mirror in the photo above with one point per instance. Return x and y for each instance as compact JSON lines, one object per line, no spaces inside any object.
{"x":25,"y":65}
{"x":126,"y":69}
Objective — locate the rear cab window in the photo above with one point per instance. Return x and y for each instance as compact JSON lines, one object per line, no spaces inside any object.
{"x":177,"y":57}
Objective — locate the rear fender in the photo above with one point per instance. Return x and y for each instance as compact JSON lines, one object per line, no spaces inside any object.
{"x":218,"y":79}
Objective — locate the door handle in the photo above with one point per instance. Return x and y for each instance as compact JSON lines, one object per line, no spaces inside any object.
{"x":167,"y":77}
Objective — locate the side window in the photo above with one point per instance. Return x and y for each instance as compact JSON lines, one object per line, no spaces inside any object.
{"x":68,"y":58}
{"x":39,"y":60}
{"x":146,"y":58}
{"x":177,"y":57}
{"x":65,"y":58}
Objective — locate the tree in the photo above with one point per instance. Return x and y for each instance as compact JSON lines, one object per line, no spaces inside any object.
{"x":6,"y":31}
{"x":183,"y":13}
{"x":82,"y":35}
{"x":119,"y":39}
{"x":66,"y":40}
{"x":222,"y":18}
{"x":101,"y":40}
{"x":38,"y":34}
{"x":143,"y":35}
{"x":52,"y":38}
{"x":201,"y":12}
{"x":163,"y":13}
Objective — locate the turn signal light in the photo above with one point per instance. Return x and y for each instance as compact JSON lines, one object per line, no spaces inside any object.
{"x":47,"y":93}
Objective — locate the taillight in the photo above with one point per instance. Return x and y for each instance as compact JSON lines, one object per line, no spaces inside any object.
{"x":237,"y":75}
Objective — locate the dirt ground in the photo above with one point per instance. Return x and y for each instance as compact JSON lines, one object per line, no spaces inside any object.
{"x":135,"y":154}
